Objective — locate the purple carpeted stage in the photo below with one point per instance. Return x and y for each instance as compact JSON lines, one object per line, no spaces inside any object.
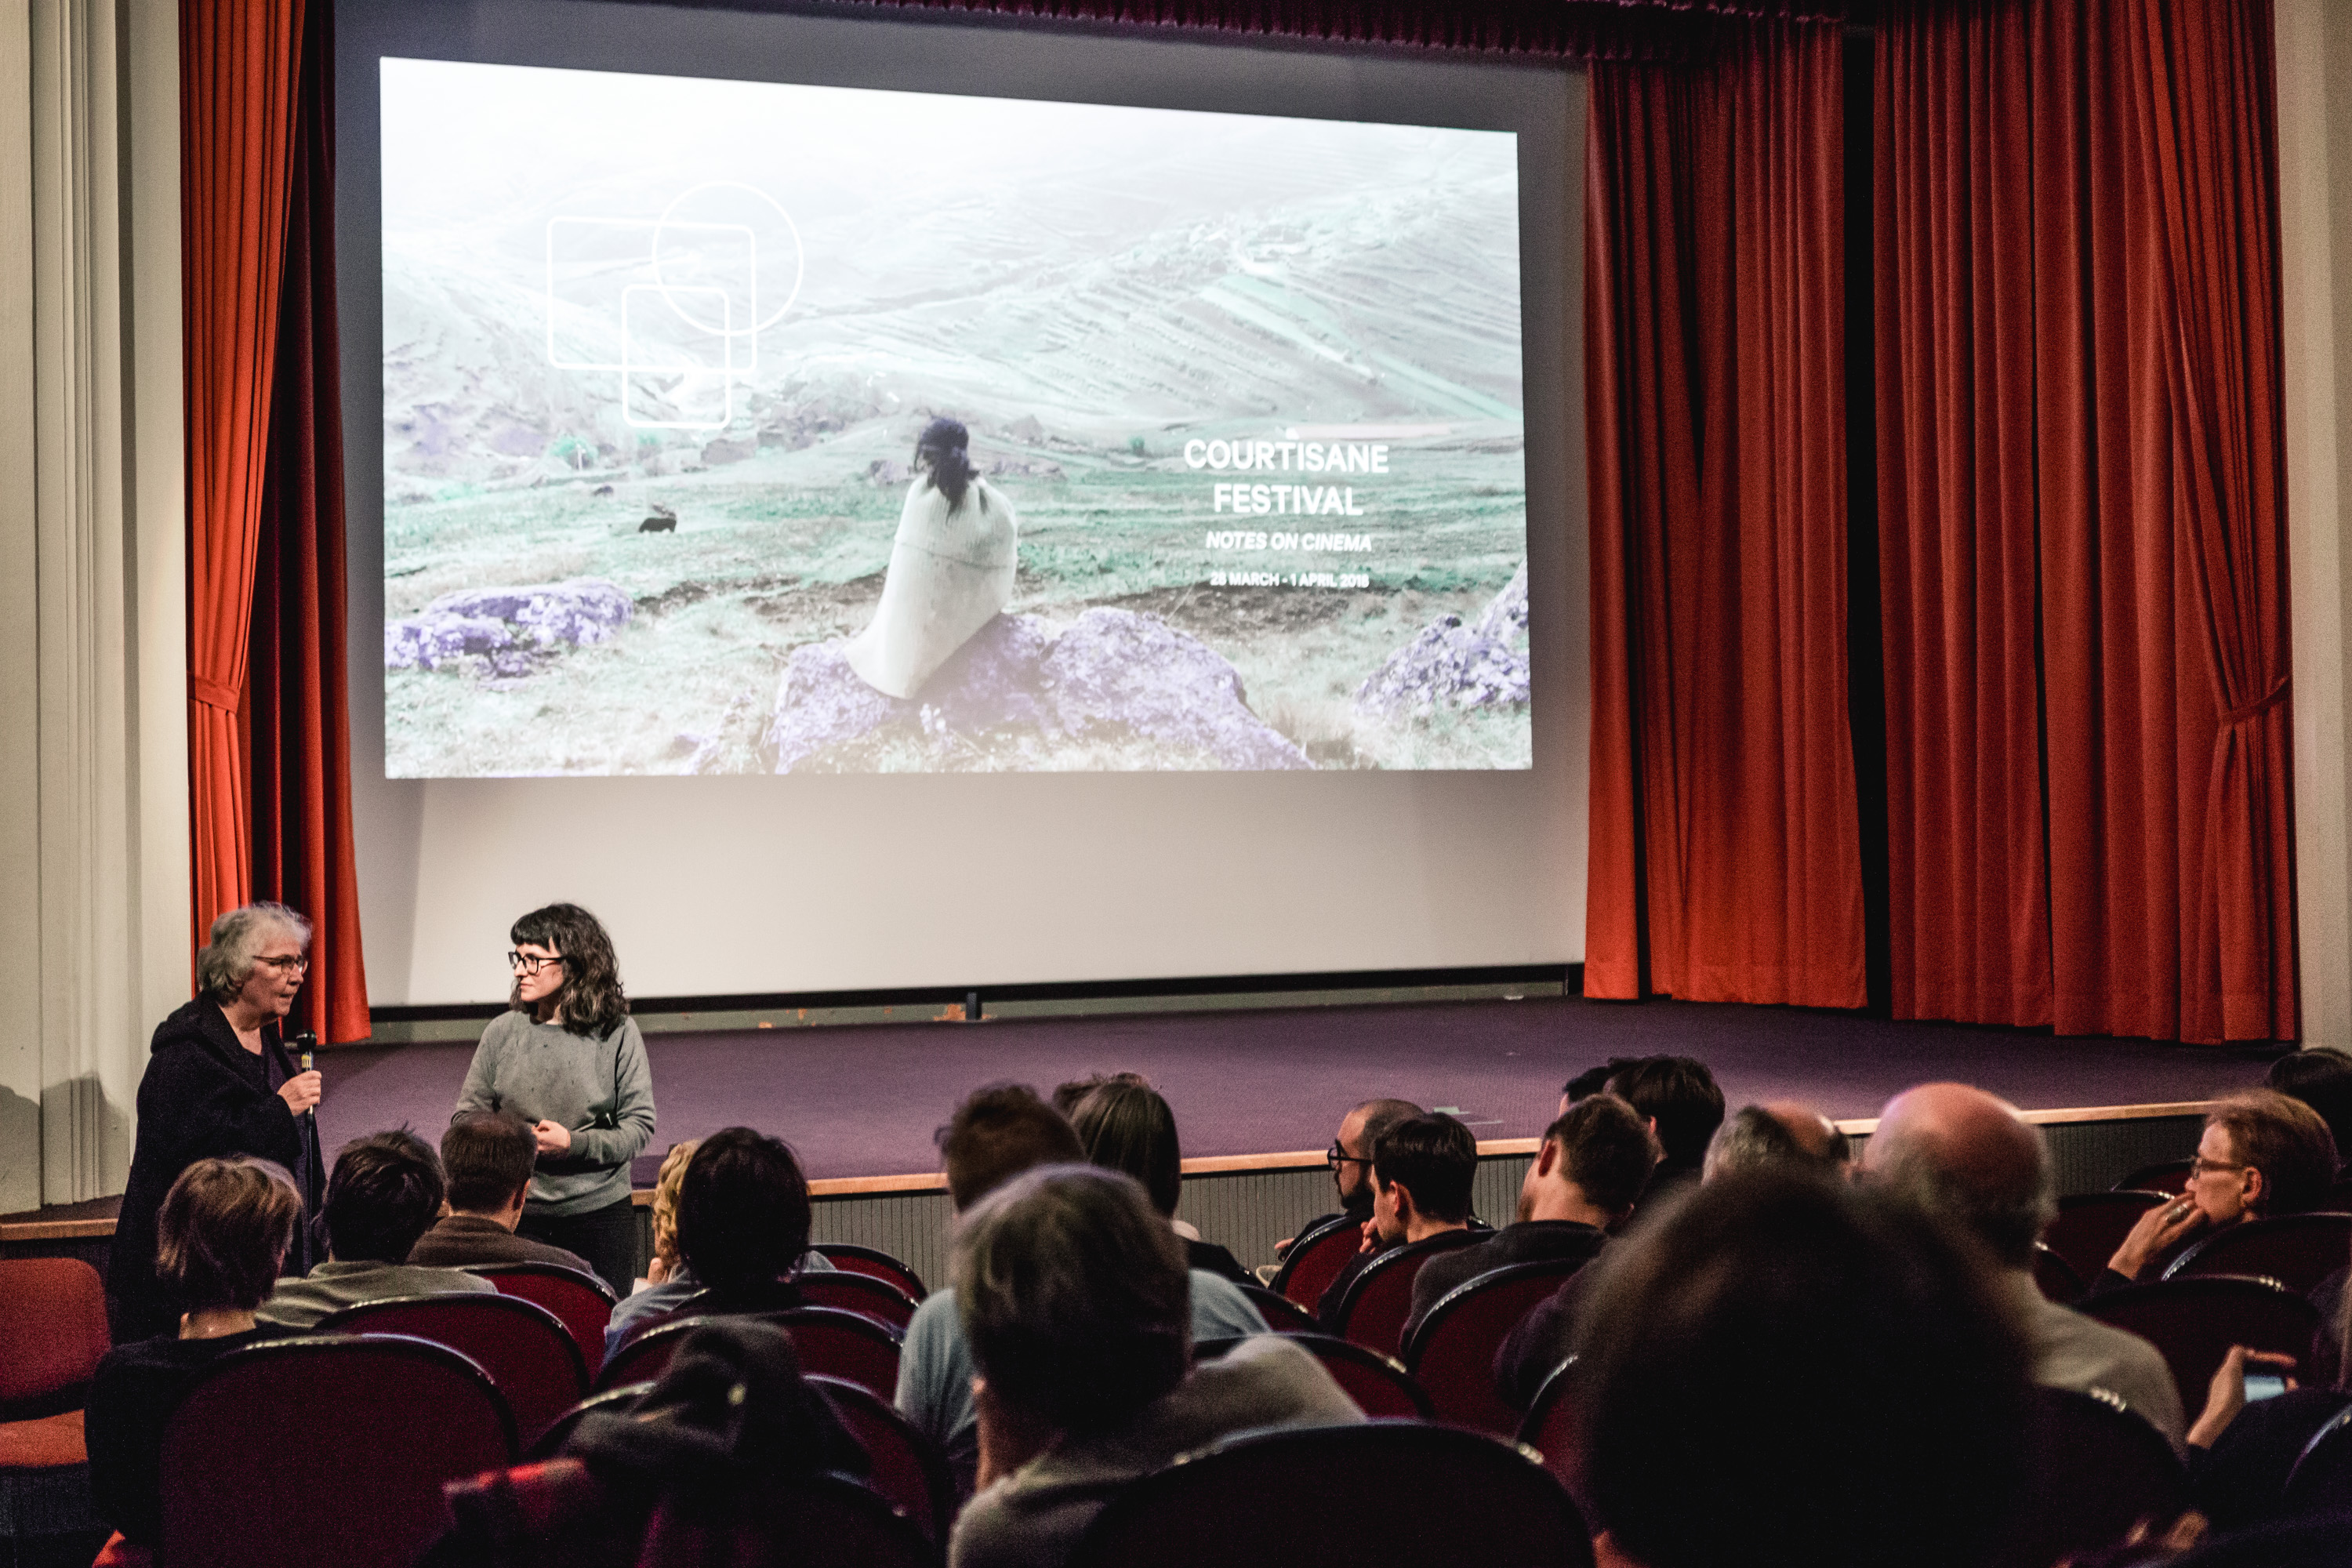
{"x":863,"y":1100}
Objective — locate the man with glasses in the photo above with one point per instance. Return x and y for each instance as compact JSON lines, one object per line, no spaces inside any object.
{"x":1350,"y":1159}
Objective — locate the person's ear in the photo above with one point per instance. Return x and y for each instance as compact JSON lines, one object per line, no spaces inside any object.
{"x":2253,"y":1186}
{"x":1405,"y":1206}
{"x":1547,"y":1157}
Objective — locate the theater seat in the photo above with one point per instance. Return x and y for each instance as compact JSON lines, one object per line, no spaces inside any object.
{"x":523,"y":1345}
{"x":907,"y":1467}
{"x":838,"y":1344}
{"x":2321,"y":1476}
{"x":1381,"y":1495}
{"x":2089,"y":1226}
{"x":2193,"y":1321}
{"x":583,"y":1301}
{"x":559,"y":1431}
{"x":325,"y":1451}
{"x":52,"y":1335}
{"x":1282,"y":1314}
{"x":1451,"y":1351}
{"x":851,"y":1259}
{"x":2098,"y":1470}
{"x":1549,"y":1427}
{"x":864,"y":1293}
{"x":1378,"y":1301}
{"x":1314,"y":1259}
{"x":2055,"y":1278}
{"x":2298,"y":1250}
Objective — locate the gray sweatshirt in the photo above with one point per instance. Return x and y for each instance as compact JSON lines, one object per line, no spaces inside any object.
{"x":601,"y":1089}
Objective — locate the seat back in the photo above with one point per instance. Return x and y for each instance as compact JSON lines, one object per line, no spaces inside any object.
{"x":1451,"y":1353}
{"x":1314,"y":1259}
{"x":2170,"y":1177}
{"x":2089,"y":1226}
{"x":842,"y":1344}
{"x":2193,"y":1321}
{"x":1282,"y":1314}
{"x":53,"y":1320}
{"x":2298,"y":1250}
{"x":2097,"y":1471}
{"x":864,"y":1293}
{"x":1378,"y":1302}
{"x":2321,"y":1476}
{"x":1378,"y":1383}
{"x":851,"y":1259}
{"x":559,"y":1431}
{"x":1550,"y":1426}
{"x":908,"y":1467}
{"x":2055,"y":1278}
{"x":646,"y":1356}
{"x":328,"y":1449}
{"x":1500,"y":1509}
{"x":583,"y":1301}
{"x":523,"y":1345}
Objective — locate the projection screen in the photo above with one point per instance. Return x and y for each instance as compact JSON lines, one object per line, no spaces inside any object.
{"x":870,"y":504}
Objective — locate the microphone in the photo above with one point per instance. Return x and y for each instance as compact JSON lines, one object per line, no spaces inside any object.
{"x":305,"y":1043}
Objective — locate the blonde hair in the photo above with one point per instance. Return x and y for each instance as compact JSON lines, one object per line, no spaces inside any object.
{"x":665,"y":1185}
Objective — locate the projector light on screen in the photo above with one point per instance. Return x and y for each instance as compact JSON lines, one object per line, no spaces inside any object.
{"x":751,"y":428}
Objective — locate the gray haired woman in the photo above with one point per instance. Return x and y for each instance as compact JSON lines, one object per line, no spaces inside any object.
{"x":219,"y":1085}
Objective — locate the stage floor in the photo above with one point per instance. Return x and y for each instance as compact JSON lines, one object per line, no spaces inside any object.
{"x":864,"y":1101}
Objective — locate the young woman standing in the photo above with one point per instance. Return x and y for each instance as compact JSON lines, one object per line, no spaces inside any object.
{"x":568,"y":1059}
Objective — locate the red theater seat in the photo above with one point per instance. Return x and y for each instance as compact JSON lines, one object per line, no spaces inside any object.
{"x":2091,"y":1226}
{"x":52,"y":1335}
{"x":867,"y":1294}
{"x":1242,"y":1503}
{"x":583,"y":1301}
{"x":851,"y":1259}
{"x":559,"y":1431}
{"x":2098,"y":1470}
{"x":523,"y":1345}
{"x":1550,"y":1424}
{"x":1282,"y":1314}
{"x":1378,"y":1383}
{"x":1452,"y":1351}
{"x":325,"y":1451}
{"x":2298,"y":1250}
{"x":2056,"y":1280}
{"x":1378,"y":1302}
{"x":829,"y":1340}
{"x":908,"y":1467}
{"x":2194,"y":1322}
{"x":1316,"y":1257}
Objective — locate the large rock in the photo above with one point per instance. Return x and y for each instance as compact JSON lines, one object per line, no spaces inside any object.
{"x":501,"y":622}
{"x":1112,"y":675}
{"x":1451,"y":665}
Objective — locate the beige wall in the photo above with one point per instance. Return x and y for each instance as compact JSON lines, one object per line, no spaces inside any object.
{"x":93,"y":761}
{"x":2315,"y":87}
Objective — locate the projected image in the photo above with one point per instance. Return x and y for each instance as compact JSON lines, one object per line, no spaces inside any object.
{"x":740,"y":427}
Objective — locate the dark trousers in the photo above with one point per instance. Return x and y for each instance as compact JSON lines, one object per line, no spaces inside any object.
{"x":606,"y":1237}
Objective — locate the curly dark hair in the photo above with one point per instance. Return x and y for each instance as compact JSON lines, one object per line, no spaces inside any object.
{"x":591,"y":1000}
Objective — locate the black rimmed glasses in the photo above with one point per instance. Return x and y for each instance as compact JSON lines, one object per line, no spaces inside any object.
{"x":2199,"y":1166}
{"x":530,"y":962}
{"x":1336,"y":1157}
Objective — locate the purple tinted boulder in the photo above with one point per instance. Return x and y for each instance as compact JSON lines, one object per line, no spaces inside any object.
{"x":483,"y":621}
{"x":1450,"y":664}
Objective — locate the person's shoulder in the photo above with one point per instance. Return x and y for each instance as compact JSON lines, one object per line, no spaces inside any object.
{"x":935,"y":1329}
{"x":1269,"y":1381}
{"x":1220,"y":1309}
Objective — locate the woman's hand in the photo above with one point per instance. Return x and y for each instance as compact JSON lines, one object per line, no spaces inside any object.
{"x":2227,"y":1396}
{"x":553,"y":1137}
{"x":302,"y":1091}
{"x":2158,"y":1229}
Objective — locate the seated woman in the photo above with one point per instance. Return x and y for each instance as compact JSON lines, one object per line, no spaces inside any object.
{"x":952,"y":567}
{"x":222,"y":1232}
{"x":2261,"y":1153}
{"x":1124,"y":1124}
{"x":2240,"y":1453}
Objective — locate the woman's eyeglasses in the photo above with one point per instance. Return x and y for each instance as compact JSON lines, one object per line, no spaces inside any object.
{"x":298,"y":965}
{"x":530,"y":962}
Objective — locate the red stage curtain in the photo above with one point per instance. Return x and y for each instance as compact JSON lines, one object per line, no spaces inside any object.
{"x":238,"y":70}
{"x":1726,"y":858}
{"x":299,"y":721}
{"x":2081,"y":518}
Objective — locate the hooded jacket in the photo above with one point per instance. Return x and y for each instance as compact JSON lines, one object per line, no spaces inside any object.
{"x":196,"y":1103}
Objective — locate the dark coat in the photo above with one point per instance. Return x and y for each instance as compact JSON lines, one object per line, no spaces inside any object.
{"x":194,"y":1103}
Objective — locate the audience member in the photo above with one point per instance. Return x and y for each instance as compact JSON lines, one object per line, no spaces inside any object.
{"x":2320,"y":1077}
{"x":1970,"y":1159}
{"x":487,"y":1157}
{"x":1591,"y":1081}
{"x":224,"y":1228}
{"x":384,"y":1193}
{"x":1685,"y":1107}
{"x":1784,"y":1372}
{"x":743,"y":1218}
{"x":1072,"y":1292}
{"x":1581,"y":1185}
{"x":1068,"y":1095}
{"x":688,"y":1473}
{"x":1781,"y":1134}
{"x":1422,"y":1169}
{"x":998,"y":1132}
{"x":2261,"y":1153}
{"x":1350,"y":1160}
{"x":1125,"y":1124}
{"x":2240,"y":1453}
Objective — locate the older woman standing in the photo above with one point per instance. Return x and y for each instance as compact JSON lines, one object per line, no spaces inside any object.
{"x":568,"y":1059}
{"x":219,"y":1085}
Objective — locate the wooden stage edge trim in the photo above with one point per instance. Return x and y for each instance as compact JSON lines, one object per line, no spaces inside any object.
{"x":1211,"y":1166}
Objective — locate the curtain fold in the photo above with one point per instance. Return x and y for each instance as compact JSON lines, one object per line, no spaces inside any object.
{"x":1725,"y":853}
{"x":237,"y":78}
{"x":2082,"y":545}
{"x":297,"y":708}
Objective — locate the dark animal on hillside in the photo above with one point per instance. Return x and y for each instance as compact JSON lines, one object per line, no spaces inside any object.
{"x":602,"y":491}
{"x":663,"y":520}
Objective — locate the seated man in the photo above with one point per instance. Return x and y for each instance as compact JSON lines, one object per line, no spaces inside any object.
{"x":997,"y":1133}
{"x":1781,"y":1134}
{"x":1350,"y":1159}
{"x":385,"y":1192}
{"x":487,"y":1157}
{"x":1074,"y":1295}
{"x":1581,"y":1185}
{"x":1970,"y":1159}
{"x":1422,"y":1169}
{"x":1684,"y":1105}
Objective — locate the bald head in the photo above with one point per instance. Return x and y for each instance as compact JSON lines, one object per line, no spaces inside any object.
{"x":1816,"y":1134}
{"x":1970,"y":1158}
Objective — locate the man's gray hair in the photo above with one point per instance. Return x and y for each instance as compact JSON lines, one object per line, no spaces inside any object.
{"x":2007,"y":1217}
{"x":1752,"y":1140}
{"x":225,"y":962}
